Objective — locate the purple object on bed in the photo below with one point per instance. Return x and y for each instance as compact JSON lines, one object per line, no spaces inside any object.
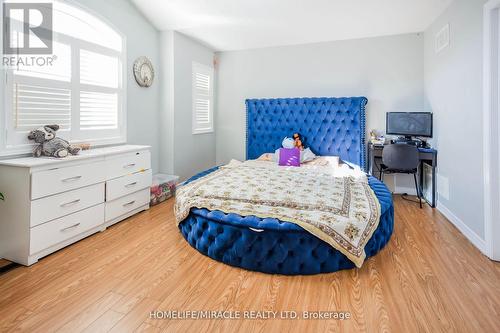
{"x":289,"y":157}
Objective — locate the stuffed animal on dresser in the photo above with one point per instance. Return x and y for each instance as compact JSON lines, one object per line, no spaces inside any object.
{"x":49,"y":144}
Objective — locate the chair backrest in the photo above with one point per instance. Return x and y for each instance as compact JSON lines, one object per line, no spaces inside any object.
{"x":400,"y":157}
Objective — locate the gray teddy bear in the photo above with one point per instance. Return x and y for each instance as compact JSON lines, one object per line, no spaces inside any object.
{"x":49,"y":145}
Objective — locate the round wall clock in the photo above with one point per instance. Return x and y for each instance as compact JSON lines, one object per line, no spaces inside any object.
{"x":143,"y":71}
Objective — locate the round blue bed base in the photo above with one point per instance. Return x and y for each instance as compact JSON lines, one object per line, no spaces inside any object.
{"x":274,"y":246}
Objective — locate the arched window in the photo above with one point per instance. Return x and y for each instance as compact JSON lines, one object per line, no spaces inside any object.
{"x":82,"y":88}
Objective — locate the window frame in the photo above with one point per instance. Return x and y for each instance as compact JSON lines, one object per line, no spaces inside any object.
{"x":8,"y":145}
{"x":210,"y":70}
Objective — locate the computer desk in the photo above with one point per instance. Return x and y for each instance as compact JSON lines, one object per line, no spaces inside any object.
{"x":426,"y":155}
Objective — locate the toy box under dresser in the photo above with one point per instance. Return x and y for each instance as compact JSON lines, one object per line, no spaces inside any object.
{"x":51,"y":203}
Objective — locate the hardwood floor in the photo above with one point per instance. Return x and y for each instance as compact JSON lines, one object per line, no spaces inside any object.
{"x":428,"y":279}
{"x":4,"y":264}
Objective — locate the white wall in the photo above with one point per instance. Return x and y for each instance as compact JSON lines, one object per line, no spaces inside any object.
{"x":142,"y":39}
{"x":166,"y":137}
{"x":387,"y":70}
{"x":190,"y":153}
{"x":453,"y":87}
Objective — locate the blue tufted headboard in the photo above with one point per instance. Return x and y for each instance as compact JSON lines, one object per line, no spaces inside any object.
{"x":330,"y":126}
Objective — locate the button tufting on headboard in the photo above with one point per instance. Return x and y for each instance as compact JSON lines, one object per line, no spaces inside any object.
{"x":330,"y":126}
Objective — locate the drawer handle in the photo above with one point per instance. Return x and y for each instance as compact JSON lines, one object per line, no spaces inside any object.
{"x":71,"y":179}
{"x":71,"y":226}
{"x":71,"y":203}
{"x":129,"y":203}
{"x":131,"y":165}
{"x":256,"y":230}
{"x":131,"y":184}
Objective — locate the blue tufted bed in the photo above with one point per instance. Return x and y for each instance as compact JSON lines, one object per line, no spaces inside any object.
{"x":331,"y":126}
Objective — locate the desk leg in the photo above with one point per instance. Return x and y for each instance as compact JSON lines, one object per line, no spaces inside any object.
{"x":433,"y":205}
{"x":421,"y":185}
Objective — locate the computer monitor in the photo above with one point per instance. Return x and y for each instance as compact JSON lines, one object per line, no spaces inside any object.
{"x":409,"y":124}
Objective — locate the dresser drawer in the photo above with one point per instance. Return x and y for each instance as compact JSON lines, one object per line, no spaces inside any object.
{"x":48,"y":182}
{"x":54,"y":206}
{"x":54,"y":232}
{"x":121,"y":165}
{"x":126,"y":204}
{"x":122,"y":186}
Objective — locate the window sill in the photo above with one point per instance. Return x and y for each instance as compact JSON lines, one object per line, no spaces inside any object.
{"x":16,"y":152}
{"x":27,"y":150}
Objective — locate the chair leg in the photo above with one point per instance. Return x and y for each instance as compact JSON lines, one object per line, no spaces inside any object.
{"x":418,"y":190}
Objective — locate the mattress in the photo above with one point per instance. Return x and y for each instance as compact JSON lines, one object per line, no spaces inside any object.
{"x":269,"y":245}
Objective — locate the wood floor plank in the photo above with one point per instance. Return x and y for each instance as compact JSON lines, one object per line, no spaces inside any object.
{"x":105,"y":322}
{"x":429,"y":278}
{"x":146,"y":328}
{"x":136,"y":316}
{"x":13,"y":317}
{"x":85,"y":318}
{"x":53,"y":315}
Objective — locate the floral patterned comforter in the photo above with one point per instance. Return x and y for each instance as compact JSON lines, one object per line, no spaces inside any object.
{"x":335,"y":204}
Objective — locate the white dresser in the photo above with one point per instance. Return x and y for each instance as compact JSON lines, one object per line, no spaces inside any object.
{"x":51,"y":203}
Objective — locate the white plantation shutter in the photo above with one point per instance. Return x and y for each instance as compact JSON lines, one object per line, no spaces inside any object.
{"x":35,"y":106}
{"x":99,"y":69}
{"x":82,"y":92}
{"x":60,"y":70}
{"x":202,"y":98}
{"x":99,"y":107}
{"x":98,"y":110}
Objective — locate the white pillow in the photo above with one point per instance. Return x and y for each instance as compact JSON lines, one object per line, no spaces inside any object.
{"x":306,"y":155}
{"x":276,"y":155}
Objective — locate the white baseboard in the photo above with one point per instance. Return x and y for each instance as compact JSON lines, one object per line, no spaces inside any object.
{"x":474,"y":238}
{"x":402,"y":189}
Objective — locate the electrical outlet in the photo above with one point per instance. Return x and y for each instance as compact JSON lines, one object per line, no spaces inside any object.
{"x":443,"y":187}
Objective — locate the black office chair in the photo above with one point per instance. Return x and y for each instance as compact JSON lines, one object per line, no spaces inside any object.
{"x":401,"y":158}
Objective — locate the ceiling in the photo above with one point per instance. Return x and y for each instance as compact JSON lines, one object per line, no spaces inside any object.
{"x":244,"y":24}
